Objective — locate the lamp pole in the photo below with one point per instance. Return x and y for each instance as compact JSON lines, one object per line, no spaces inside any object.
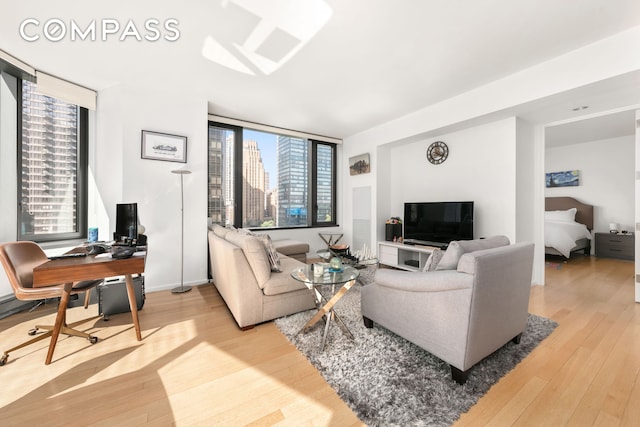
{"x":182,"y":288}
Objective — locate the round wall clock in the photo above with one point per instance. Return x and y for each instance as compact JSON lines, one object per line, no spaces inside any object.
{"x":437,"y":152}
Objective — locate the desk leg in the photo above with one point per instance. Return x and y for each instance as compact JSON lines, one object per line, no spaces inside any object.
{"x":133,"y":305}
{"x":60,"y":321}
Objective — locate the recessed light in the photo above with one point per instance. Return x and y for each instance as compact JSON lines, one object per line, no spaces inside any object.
{"x":584,"y":107}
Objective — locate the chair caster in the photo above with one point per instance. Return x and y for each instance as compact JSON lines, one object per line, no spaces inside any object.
{"x":3,"y":359}
{"x":93,"y":340}
{"x":33,"y":331}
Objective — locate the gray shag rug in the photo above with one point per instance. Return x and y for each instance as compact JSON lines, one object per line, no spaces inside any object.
{"x":388,"y":381}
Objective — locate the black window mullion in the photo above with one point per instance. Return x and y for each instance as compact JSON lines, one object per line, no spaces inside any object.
{"x":237,"y":175}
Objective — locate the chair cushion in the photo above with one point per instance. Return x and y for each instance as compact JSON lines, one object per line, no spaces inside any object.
{"x":458,"y":248}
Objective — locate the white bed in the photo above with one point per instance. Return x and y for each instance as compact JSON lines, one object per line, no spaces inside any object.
{"x":568,"y":225}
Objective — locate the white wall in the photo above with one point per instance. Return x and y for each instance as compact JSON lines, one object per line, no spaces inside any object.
{"x":486,"y":104}
{"x":481,"y":168}
{"x":637,"y":206}
{"x":607,"y":178}
{"x":121,"y":176}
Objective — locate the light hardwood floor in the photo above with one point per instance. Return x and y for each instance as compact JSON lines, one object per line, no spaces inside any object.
{"x":194,"y":367}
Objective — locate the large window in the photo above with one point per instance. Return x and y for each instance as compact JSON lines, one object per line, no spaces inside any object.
{"x":261,"y":179}
{"x":52,"y":168}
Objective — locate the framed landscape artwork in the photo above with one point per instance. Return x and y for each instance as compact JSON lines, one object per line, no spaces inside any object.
{"x":164,"y":146}
{"x":359,"y":164}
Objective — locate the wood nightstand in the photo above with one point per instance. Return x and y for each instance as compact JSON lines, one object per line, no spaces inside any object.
{"x":620,"y":246}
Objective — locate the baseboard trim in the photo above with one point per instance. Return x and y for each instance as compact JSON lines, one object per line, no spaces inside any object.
{"x":10,"y":305}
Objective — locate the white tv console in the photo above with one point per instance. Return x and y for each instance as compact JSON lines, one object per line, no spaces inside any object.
{"x":405,"y":257}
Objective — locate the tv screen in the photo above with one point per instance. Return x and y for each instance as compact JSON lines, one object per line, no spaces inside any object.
{"x":438,"y":223}
{"x":126,"y":221}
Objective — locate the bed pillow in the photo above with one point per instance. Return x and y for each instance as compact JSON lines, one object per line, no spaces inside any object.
{"x":568,"y":216}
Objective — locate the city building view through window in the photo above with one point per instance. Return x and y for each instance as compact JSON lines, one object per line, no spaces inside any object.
{"x":49,"y":162}
{"x":275,"y":186}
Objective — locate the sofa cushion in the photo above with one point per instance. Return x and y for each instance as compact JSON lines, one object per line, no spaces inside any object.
{"x":255,"y":253}
{"x":458,"y":248}
{"x":219,"y":230}
{"x":291,"y":247}
{"x":272,"y":254}
{"x":467,"y":263}
{"x":282,"y":282}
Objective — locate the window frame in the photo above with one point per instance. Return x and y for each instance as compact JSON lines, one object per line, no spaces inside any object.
{"x":82,"y":168}
{"x":312,"y":205}
{"x":314,"y":184}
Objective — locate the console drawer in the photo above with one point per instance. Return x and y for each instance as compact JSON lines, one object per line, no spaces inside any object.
{"x":615,"y":246}
{"x":387,"y":255}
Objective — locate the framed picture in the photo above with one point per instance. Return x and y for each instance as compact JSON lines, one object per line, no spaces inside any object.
{"x":563,"y":179}
{"x":359,"y":164}
{"x":163,"y":146}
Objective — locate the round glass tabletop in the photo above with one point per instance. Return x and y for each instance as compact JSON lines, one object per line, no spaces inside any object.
{"x":328,"y":277}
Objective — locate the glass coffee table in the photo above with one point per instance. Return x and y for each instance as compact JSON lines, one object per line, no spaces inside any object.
{"x":367,"y":266}
{"x":327,"y":289}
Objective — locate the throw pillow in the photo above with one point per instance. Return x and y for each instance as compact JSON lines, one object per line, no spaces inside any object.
{"x":433,"y":260}
{"x":459,"y":247}
{"x":272,"y":254}
{"x":451,"y":257}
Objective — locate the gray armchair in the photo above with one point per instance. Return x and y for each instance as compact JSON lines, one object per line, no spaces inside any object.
{"x":461,"y":315}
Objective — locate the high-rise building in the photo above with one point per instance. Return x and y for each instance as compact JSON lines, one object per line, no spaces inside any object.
{"x":293,"y":158}
{"x":253,"y":185}
{"x":49,"y":155}
{"x":220,"y":177}
{"x":216,"y":200}
{"x":324,"y":179}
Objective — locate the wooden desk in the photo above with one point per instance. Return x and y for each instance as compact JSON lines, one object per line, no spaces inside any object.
{"x":70,"y":270}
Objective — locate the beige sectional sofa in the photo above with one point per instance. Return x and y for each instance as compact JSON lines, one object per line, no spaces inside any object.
{"x":244,"y":278}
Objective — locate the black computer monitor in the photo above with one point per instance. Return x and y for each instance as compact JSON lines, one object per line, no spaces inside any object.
{"x":126,"y":221}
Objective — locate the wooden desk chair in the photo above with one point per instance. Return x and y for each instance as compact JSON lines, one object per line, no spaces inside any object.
{"x":19,"y":259}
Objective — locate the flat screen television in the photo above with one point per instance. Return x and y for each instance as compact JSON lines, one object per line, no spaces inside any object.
{"x":126,"y":221}
{"x":437,"y":223}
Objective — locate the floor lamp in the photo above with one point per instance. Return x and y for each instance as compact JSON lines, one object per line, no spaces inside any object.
{"x":182,"y":288}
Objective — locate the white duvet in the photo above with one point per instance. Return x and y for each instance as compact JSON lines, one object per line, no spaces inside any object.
{"x":562,"y":235}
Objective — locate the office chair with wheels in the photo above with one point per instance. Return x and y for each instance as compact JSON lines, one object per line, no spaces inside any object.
{"x":19,"y":259}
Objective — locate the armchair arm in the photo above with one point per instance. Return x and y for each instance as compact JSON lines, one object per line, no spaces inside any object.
{"x":431,"y":281}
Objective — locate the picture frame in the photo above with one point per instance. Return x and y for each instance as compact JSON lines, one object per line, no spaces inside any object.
{"x":163,"y":146}
{"x":359,"y":164}
{"x":562,"y":179}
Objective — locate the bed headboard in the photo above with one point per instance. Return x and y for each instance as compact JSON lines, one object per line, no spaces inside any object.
{"x":584,"y":214}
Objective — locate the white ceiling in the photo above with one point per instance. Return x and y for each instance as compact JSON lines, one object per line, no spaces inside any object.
{"x":596,"y":128}
{"x":373,"y":60}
